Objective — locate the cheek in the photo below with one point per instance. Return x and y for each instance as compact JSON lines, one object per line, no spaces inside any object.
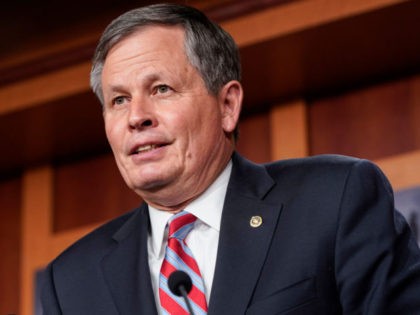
{"x":206,"y":134}
{"x":113,"y":132}
{"x":114,"y":141}
{"x":110,"y":136}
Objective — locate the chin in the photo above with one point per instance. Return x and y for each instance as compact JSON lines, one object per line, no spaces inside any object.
{"x":147,"y":185}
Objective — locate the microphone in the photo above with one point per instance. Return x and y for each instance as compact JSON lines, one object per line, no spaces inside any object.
{"x":180,"y":284}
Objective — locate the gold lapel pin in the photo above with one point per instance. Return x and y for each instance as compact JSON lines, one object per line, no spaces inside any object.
{"x":255,"y":221}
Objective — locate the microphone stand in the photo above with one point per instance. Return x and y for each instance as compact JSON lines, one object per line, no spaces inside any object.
{"x":180,"y":284}
{"x":186,"y":299}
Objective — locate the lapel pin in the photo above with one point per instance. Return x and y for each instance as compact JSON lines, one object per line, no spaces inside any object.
{"x":255,"y":221}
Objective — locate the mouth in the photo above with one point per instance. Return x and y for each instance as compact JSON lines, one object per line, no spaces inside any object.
{"x":146,"y":148}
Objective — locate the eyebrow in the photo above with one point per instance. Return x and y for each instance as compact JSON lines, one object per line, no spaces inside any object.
{"x":147,"y":79}
{"x":114,"y":89}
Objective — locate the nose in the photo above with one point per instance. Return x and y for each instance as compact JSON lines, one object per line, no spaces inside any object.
{"x":141,"y":116}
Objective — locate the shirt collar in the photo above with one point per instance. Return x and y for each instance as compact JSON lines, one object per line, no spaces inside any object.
{"x":207,"y":208}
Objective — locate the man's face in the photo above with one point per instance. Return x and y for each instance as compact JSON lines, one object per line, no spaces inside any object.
{"x":167,"y":132}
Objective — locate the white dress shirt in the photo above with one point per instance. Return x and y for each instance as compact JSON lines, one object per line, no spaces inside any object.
{"x":202,"y":240}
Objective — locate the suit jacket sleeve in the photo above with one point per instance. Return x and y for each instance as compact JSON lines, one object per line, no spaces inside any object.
{"x":377,"y":259}
{"x":48,"y":297}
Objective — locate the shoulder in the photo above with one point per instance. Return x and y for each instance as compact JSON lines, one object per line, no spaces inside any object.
{"x":326,"y":165}
{"x":328,"y":176}
{"x":325,"y":169}
{"x":316,"y":162}
{"x":97,"y":243}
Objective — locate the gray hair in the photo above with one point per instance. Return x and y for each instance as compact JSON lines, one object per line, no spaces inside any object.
{"x":210,"y":49}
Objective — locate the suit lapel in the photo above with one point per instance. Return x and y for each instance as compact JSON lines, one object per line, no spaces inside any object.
{"x":242,"y":247}
{"x":126,"y":267}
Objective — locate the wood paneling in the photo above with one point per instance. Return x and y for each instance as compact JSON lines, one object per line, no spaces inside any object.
{"x":254,"y":138}
{"x":45,"y":88}
{"x":325,"y":46}
{"x":373,"y":122}
{"x":88,"y":192}
{"x":39,"y":245}
{"x":63,"y":129}
{"x":71,"y":38}
{"x":403,"y":170}
{"x":36,"y":227}
{"x":289,"y":131}
{"x":10,"y":240}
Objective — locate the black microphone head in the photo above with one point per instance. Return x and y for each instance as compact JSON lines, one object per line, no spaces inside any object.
{"x":177,"y":279}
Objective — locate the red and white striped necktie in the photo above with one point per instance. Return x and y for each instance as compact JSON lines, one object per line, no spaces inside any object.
{"x":179,"y":257}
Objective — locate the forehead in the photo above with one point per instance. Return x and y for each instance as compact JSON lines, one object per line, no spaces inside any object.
{"x":150,"y":53}
{"x":152,"y":48}
{"x":147,"y":48}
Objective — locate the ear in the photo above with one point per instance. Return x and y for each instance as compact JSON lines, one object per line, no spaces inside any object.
{"x":230,"y":100}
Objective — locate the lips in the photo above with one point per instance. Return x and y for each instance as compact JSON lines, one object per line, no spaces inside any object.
{"x":146,"y":148}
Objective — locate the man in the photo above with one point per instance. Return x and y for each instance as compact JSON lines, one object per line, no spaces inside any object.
{"x":306,"y":236}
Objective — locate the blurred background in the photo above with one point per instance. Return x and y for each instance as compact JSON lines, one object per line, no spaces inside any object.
{"x":320,"y":76}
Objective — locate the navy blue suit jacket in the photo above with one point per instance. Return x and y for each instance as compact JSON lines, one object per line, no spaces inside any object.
{"x":330,"y":243}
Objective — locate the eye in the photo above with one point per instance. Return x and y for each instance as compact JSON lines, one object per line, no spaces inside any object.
{"x":163,"y":88}
{"x":119,"y":100}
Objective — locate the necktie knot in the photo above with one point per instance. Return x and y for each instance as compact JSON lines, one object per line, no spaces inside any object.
{"x":180,"y":225}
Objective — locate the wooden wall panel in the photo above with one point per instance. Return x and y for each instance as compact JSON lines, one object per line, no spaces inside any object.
{"x":90,"y":191}
{"x":289,"y":132}
{"x":10,"y":210}
{"x":36,"y":225}
{"x":254,"y":138}
{"x":373,"y":122}
{"x":402,"y":170}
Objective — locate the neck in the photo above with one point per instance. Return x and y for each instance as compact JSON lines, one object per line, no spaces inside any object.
{"x":176,"y":199}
